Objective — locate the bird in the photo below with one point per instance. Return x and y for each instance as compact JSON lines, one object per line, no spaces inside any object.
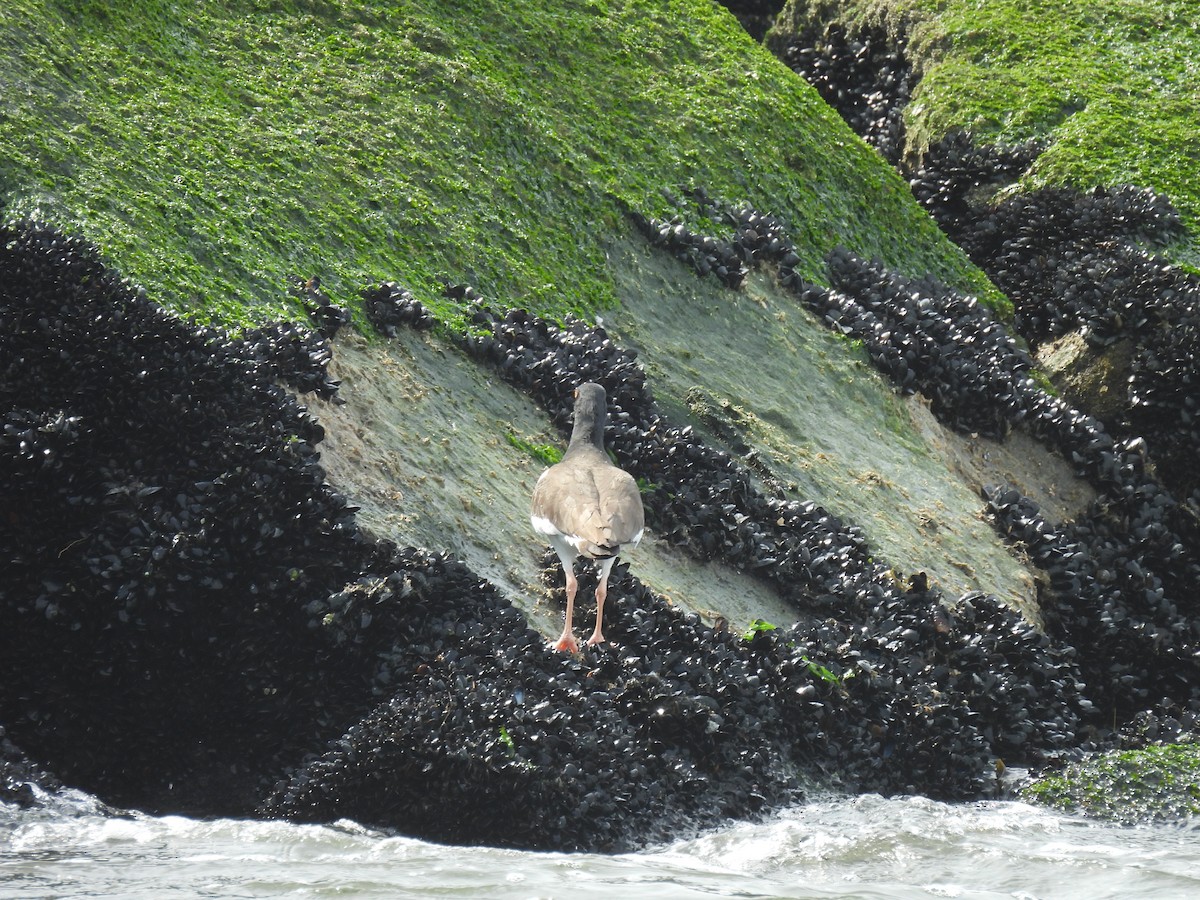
{"x":586,"y":506}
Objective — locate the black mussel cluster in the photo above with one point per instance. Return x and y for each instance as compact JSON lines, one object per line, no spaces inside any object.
{"x":164,"y":510}
{"x":954,"y":172}
{"x":1123,"y":578}
{"x":515,"y":342}
{"x":864,"y":74}
{"x":1134,"y":610}
{"x":889,"y":689}
{"x":32,"y":441}
{"x":929,"y":339}
{"x":289,"y":353}
{"x":484,"y":734}
{"x":1072,"y":260}
{"x":327,"y":318}
{"x":1163,"y":723}
{"x":1165,"y":402}
{"x":389,"y":306}
{"x":708,"y":255}
{"x":1123,"y":586}
{"x":755,"y":237}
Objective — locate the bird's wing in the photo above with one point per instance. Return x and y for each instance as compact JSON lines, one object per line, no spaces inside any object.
{"x":620,"y":515}
{"x":598,"y":507}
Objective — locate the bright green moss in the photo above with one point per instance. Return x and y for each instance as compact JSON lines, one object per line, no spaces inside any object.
{"x":1128,"y":786}
{"x":546,"y":454}
{"x":213,"y":150}
{"x":1109,"y":88}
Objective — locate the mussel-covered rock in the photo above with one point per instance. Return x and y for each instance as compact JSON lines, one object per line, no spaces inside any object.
{"x":195,"y":611}
{"x":164,"y":513}
{"x":389,"y":306}
{"x":862,"y":72}
{"x":328,"y":318}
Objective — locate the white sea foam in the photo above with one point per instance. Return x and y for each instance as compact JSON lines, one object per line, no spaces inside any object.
{"x":863,"y":847}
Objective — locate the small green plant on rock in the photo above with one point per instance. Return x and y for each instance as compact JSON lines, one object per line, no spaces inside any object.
{"x":1131,"y":786}
{"x":544,"y":453}
{"x":757,"y":627}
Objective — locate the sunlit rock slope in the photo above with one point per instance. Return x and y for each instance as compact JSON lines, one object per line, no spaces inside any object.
{"x":817,"y":389}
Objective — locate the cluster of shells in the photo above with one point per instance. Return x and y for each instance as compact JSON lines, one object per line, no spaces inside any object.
{"x":1070,"y":261}
{"x":183,"y":576}
{"x":863,"y":73}
{"x":195,"y":621}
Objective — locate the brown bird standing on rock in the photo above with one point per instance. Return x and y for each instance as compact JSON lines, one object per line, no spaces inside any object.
{"x":586,"y":506}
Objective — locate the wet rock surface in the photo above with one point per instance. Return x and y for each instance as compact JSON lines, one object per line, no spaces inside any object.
{"x":199,"y":624}
{"x":1071,"y":261}
{"x":327,"y":318}
{"x":197,"y":611}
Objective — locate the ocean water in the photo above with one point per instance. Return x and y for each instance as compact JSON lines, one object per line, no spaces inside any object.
{"x":862,"y":847}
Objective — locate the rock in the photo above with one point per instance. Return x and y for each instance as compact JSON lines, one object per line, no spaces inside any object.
{"x":1095,"y":379}
{"x":1132,"y":787}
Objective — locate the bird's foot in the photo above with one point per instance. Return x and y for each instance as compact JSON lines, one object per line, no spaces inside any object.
{"x":566,"y":643}
{"x":596,"y":638}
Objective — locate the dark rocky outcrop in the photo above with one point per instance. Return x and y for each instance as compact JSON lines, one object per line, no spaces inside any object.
{"x":194,"y":612}
{"x":195,"y":621}
{"x":1070,"y":261}
{"x":164,"y":522}
{"x":199,"y":624}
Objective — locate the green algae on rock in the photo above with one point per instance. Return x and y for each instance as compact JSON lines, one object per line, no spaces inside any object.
{"x":1107,"y":89}
{"x":1158,"y":783}
{"x":219,"y":152}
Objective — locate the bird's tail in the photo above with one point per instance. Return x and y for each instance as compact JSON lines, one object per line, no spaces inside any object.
{"x":598,"y":551}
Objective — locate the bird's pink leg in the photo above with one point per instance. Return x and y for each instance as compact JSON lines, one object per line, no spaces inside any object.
{"x":601,"y":593}
{"x":566,"y":641}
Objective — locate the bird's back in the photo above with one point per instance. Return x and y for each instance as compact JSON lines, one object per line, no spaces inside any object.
{"x":595,"y":505}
